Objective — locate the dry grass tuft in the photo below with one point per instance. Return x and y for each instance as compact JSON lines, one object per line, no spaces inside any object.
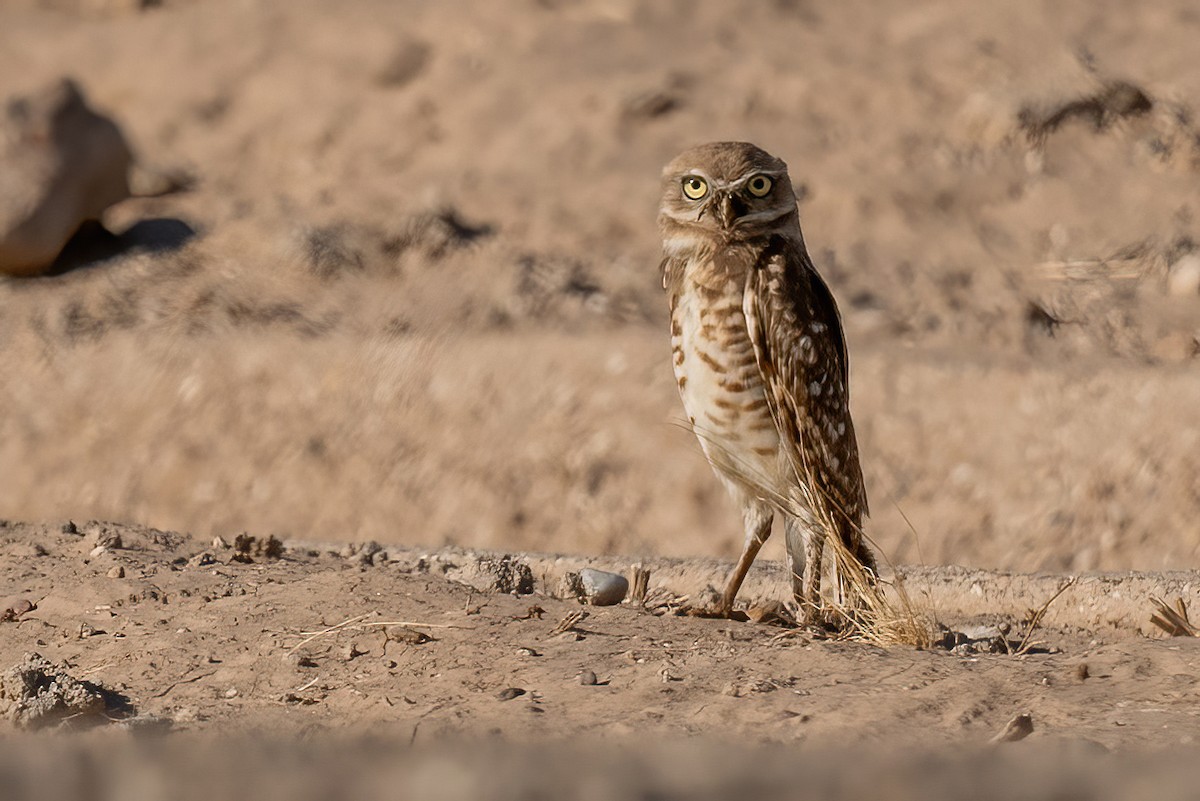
{"x":865,"y":607}
{"x":871,"y":609}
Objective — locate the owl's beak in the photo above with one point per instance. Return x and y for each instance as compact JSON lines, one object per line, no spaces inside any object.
{"x":728,"y":208}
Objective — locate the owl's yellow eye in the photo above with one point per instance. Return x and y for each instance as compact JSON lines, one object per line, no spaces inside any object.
{"x":759,"y":185}
{"x":695,"y":187}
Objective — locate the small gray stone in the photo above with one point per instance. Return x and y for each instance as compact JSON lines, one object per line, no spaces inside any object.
{"x":588,"y":678}
{"x":601,"y":588}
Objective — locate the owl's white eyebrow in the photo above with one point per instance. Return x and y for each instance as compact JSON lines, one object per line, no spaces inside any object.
{"x":740,"y":181}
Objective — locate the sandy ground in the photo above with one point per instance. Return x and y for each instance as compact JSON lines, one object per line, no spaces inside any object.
{"x":197,"y":640}
{"x":398,"y":674}
{"x":410,"y":295}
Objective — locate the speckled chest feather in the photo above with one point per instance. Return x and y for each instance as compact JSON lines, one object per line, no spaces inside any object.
{"x":719,"y":379}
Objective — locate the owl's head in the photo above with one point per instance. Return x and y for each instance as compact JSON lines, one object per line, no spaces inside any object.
{"x":734,"y":190}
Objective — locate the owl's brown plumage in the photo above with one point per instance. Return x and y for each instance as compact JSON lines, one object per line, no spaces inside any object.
{"x":760,"y":356}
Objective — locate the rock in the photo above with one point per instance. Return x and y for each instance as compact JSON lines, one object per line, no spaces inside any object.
{"x":13,"y":608}
{"x":510,"y":693}
{"x":102,"y":536}
{"x":61,"y":165}
{"x":35,"y":693}
{"x":1183,"y":277}
{"x":1018,"y":728}
{"x":601,"y":588}
{"x":588,"y":678}
{"x":117,"y":572}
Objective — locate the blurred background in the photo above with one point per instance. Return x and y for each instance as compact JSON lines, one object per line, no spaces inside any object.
{"x":389,"y":270}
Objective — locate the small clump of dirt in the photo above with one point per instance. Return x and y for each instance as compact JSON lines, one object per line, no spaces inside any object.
{"x":36,"y":693}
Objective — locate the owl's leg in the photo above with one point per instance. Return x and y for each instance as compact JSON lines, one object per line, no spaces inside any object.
{"x":757,"y":519}
{"x":805,"y":545}
{"x":794,"y":538}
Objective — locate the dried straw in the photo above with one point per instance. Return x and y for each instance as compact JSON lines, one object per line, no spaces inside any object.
{"x":863,"y":609}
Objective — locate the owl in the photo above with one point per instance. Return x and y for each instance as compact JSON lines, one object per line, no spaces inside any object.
{"x":760,"y":358}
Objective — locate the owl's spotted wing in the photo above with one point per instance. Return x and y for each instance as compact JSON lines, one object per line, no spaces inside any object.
{"x":794,"y":324}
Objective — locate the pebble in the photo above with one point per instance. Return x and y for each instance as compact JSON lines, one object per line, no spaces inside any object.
{"x":1183,"y":277}
{"x":601,"y":588}
{"x":588,"y":678}
{"x":116,"y":572}
{"x":1081,"y":671}
{"x":510,"y":693}
{"x":231,"y":692}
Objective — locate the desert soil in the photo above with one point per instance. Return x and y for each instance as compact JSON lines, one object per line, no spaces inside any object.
{"x":409,"y":295}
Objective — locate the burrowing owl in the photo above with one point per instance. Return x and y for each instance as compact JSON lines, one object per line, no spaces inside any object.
{"x":760,"y":357}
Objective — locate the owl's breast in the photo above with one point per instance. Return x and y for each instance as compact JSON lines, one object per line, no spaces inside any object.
{"x":720,"y":383}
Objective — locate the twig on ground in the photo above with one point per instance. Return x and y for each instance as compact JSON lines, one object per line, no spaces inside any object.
{"x":639,"y":584}
{"x":1173,"y":620}
{"x":569,"y":622}
{"x":175,"y":684}
{"x":412,"y":624}
{"x":306,"y":685}
{"x":1026,"y":642}
{"x":315,"y":634}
